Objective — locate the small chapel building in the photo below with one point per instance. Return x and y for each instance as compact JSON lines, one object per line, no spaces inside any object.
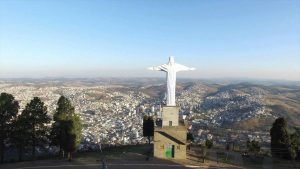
{"x":170,"y":136}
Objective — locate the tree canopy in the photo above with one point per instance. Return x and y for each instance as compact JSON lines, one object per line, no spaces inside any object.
{"x":190,"y":137}
{"x":9,"y":108}
{"x":209,"y":144}
{"x":19,"y":136}
{"x":36,"y":118}
{"x":295,"y":141}
{"x":148,"y":127}
{"x":280,"y":139}
{"x":253,"y":146}
{"x":66,"y":129}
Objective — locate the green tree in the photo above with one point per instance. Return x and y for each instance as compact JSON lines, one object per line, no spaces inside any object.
{"x":71,"y":134}
{"x":209,"y":144}
{"x":292,"y":153}
{"x":19,"y":135}
{"x":148,"y":127}
{"x":295,"y":141}
{"x":190,"y":136}
{"x":55,"y":136}
{"x":280,"y":139}
{"x":64,"y":109}
{"x":8,"y":110}
{"x":253,"y":146}
{"x":35,"y":115}
{"x":66,"y":129}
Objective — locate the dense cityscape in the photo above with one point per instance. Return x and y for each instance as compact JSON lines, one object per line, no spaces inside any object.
{"x":113,"y":113}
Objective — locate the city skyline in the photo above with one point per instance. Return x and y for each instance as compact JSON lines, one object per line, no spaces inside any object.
{"x":232,"y":39}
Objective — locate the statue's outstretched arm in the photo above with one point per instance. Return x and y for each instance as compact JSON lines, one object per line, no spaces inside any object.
{"x":180,"y":67}
{"x":159,"y":68}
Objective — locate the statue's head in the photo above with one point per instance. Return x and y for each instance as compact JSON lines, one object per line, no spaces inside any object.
{"x":171,"y":60}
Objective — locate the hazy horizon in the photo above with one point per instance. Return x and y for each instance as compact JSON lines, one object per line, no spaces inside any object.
{"x":162,"y":77}
{"x":77,"y":39}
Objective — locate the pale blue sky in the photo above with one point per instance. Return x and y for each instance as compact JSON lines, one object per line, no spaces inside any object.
{"x":90,"y":38}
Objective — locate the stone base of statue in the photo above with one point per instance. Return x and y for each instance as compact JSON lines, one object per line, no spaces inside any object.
{"x":170,"y":137}
{"x":170,"y":115}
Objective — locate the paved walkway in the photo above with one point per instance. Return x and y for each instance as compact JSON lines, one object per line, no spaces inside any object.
{"x":76,"y":165}
{"x":58,"y":164}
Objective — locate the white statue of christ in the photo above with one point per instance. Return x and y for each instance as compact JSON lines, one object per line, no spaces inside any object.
{"x":171,"y":68}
